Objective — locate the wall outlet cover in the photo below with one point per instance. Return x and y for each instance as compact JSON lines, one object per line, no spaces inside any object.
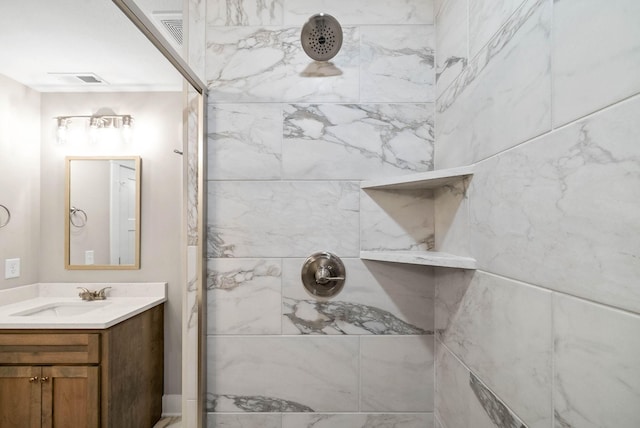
{"x":11,"y":268}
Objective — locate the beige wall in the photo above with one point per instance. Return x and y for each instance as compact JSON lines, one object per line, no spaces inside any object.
{"x":157,"y":131}
{"x":20,"y":179}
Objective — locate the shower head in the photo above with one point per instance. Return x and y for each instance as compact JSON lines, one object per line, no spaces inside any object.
{"x":321,"y":37}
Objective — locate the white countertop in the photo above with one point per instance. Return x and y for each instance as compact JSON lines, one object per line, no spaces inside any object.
{"x":124,"y":300}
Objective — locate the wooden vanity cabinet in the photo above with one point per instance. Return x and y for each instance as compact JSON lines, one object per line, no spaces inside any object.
{"x":110,"y":378}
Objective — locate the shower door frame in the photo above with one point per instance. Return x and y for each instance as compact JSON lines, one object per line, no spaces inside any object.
{"x":144,"y":24}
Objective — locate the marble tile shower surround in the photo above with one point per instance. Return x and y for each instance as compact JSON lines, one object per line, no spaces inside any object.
{"x":265,"y":64}
{"x":289,"y":142}
{"x":282,"y":219}
{"x":396,"y":220}
{"x":580,"y":220}
{"x":502,"y":97}
{"x":595,"y":56}
{"x":375,"y":64}
{"x":486,"y":17}
{"x":500,"y":323}
{"x":320,"y":420}
{"x":244,"y":296}
{"x":296,"y":12}
{"x":348,"y":141}
{"x":320,"y":374}
{"x":379,"y":299}
{"x":451,"y":40}
{"x":264,"y":296}
{"x":596,"y":354}
{"x":356,"y":141}
{"x":463,"y":400}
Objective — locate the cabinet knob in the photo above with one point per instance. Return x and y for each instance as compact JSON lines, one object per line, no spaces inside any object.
{"x":44,"y":379}
{"x":33,"y":379}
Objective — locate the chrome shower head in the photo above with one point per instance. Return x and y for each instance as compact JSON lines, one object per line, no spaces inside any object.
{"x":321,"y":37}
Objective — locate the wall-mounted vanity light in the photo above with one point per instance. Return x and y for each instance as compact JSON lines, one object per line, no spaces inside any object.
{"x":96,"y":122}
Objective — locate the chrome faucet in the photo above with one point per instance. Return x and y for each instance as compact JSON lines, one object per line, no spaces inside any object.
{"x":89,"y":295}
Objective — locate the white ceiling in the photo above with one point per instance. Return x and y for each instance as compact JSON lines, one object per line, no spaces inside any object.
{"x":39,"y":37}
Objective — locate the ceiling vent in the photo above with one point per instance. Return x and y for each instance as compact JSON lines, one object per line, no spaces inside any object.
{"x":79,"y":78}
{"x":171,"y":23}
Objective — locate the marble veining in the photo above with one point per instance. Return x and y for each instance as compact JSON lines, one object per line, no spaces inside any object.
{"x":268,"y":64}
{"x":501,"y":323}
{"x":362,"y":12}
{"x":362,"y":420}
{"x":397,"y":220}
{"x":196,"y":35}
{"x":244,"y":141}
{"x":239,"y":12}
{"x":451,"y":39}
{"x":244,"y":420}
{"x":352,"y":141}
{"x":485,"y":19}
{"x":244,"y":296}
{"x":496,"y":45}
{"x":253,"y":403}
{"x":497,"y":102}
{"x":337,"y":317}
{"x":318,"y":372}
{"x":596,"y":382}
{"x":234,"y":278}
{"x":402,"y":293}
{"x":192,"y":169}
{"x":497,"y":411}
{"x":561,"y":175}
{"x":397,"y":64}
{"x":282,"y":219}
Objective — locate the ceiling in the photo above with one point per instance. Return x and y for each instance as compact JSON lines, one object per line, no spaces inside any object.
{"x":40,"y":39}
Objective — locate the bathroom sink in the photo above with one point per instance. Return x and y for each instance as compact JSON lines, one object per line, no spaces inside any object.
{"x":66,"y":309}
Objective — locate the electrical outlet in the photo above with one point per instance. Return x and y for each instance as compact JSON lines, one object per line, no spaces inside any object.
{"x":11,"y":268}
{"x":88,"y":257}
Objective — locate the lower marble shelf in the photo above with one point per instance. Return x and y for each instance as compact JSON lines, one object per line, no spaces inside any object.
{"x":427,"y":258}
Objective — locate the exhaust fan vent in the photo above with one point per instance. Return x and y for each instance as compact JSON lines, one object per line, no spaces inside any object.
{"x":171,"y":22}
{"x":79,"y":78}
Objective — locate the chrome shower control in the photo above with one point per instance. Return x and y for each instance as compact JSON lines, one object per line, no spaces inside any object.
{"x":323,"y":274}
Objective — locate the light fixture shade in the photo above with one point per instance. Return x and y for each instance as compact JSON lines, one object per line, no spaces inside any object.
{"x":96,"y":122}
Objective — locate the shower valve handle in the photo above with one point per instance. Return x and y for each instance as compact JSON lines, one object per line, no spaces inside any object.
{"x":323,"y":276}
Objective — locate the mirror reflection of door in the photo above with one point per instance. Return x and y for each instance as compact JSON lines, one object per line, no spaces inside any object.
{"x":123,"y":212}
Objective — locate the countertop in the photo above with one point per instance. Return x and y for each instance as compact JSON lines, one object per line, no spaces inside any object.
{"x":124,"y":300}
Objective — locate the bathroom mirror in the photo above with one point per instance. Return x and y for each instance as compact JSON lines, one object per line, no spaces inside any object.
{"x":102,"y":212}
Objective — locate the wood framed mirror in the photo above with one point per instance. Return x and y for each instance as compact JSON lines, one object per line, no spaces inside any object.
{"x":102,"y":212}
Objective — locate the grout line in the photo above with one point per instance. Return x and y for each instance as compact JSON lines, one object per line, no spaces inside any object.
{"x":561,"y":127}
{"x":553,"y":361}
{"x":551,"y":66}
{"x":359,"y":373}
{"x":561,"y":293}
{"x":498,"y":397}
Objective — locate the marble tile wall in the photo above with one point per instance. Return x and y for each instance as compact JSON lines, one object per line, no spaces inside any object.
{"x":546,"y":108}
{"x":289,"y":141}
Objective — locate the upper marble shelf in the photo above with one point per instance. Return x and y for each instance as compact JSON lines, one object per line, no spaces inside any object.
{"x":427,"y":258}
{"x":422,"y":180}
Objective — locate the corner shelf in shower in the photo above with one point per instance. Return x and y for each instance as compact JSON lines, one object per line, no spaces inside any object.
{"x":440,"y":193}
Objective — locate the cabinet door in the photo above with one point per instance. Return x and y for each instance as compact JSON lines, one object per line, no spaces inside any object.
{"x":70,"y":397}
{"x":20,"y":397}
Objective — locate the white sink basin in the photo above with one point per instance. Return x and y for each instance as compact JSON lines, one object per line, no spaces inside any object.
{"x":66,"y":309}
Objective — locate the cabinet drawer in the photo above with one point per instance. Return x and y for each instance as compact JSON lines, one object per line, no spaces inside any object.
{"x":57,"y":348}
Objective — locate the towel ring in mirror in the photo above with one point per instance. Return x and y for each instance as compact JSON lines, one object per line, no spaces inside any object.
{"x":5,"y":222}
{"x":77,"y":217}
